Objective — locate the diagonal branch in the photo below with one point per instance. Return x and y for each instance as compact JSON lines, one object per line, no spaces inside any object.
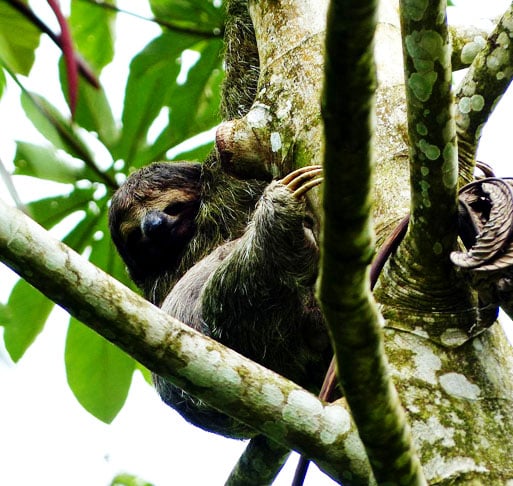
{"x":344,"y":290}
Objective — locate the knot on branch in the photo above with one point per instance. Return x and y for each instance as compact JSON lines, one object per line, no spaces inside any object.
{"x":248,"y":147}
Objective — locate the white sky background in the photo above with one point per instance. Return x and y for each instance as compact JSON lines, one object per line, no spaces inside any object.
{"x":46,"y":437}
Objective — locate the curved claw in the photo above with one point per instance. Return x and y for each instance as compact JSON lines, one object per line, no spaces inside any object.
{"x":302,"y":190}
{"x":302,"y":180}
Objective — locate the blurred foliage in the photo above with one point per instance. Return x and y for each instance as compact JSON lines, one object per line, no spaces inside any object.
{"x":95,"y":150}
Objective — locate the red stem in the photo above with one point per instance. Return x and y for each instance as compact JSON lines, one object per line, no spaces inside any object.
{"x":68,"y":53}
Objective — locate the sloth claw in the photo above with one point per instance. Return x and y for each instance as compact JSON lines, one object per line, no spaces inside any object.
{"x":300,"y":181}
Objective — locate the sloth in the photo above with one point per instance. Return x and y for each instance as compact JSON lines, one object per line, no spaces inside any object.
{"x":249,"y":286}
{"x":167,"y":216}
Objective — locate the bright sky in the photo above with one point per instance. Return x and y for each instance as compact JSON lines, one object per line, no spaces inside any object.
{"x":46,"y":436}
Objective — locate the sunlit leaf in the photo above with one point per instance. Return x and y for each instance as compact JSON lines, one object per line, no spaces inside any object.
{"x":81,"y":235}
{"x":47,"y":163}
{"x":202,"y":15}
{"x":93,"y":32}
{"x":152,"y":78}
{"x":24,"y":318}
{"x":53,"y":125}
{"x":99,"y":373}
{"x":19,"y":39}
{"x":194,"y":105}
{"x":50,"y":211}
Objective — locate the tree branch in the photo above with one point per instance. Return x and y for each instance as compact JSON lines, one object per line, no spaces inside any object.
{"x":466,"y":42}
{"x":283,"y":124}
{"x":347,"y":251}
{"x":432,"y":134}
{"x":421,"y":270}
{"x":260,"y":463}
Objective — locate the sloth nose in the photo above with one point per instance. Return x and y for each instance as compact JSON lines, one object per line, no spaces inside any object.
{"x":155,"y":223}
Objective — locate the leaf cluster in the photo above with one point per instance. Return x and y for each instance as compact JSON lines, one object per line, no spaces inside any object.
{"x":171,"y":93}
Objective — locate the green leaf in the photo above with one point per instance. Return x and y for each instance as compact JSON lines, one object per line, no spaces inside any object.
{"x":93,"y":32}
{"x":129,"y":480}
{"x":194,"y":105}
{"x":93,"y":111}
{"x":146,"y":373}
{"x":151,"y":80}
{"x":201,"y":15}
{"x":47,"y":163}
{"x":25,"y":315}
{"x":99,"y":373}
{"x":53,"y":125}
{"x":19,"y":39}
{"x":50,"y":211}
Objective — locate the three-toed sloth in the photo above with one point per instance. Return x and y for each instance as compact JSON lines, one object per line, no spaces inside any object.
{"x":235,"y":260}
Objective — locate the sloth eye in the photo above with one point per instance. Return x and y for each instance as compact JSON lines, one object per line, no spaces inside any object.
{"x":308,"y":222}
{"x":175,"y":208}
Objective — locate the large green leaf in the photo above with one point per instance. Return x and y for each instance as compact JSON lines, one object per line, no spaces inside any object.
{"x":24,"y":318}
{"x":151,"y":80}
{"x":50,"y":211}
{"x":194,"y":105}
{"x":19,"y":39}
{"x":99,"y":374}
{"x":93,"y":111}
{"x":47,"y":163}
{"x":93,"y":32}
{"x":53,"y":125}
{"x":201,"y":15}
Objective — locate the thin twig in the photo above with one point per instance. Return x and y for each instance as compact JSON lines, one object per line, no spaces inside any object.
{"x":27,"y":12}
{"x":7,"y":178}
{"x":83,"y":154}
